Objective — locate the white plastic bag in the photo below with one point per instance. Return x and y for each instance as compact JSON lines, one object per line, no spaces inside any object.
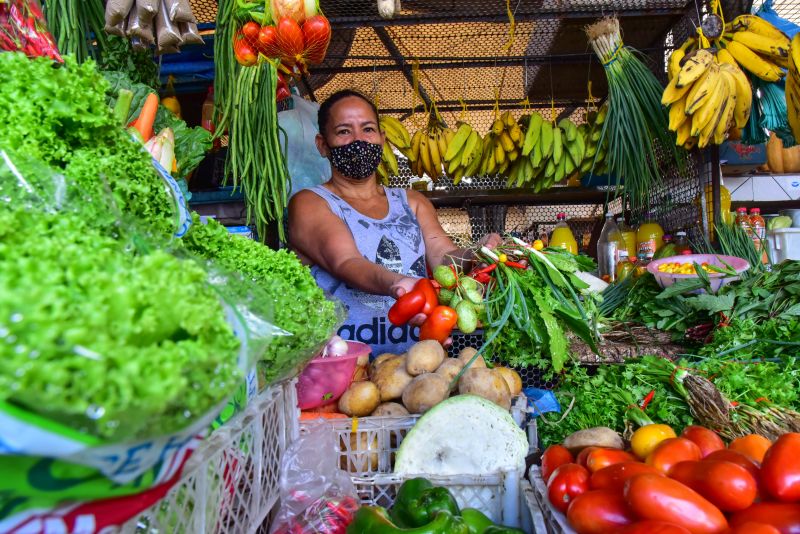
{"x":316,"y":496}
{"x":307,"y":167}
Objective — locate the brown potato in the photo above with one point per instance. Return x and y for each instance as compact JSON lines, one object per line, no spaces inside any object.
{"x":466,"y":355}
{"x":392,"y":378}
{"x":390,"y":409}
{"x":424,"y":357}
{"x":377,"y":362}
{"x":360,"y":399}
{"x":599,"y":436}
{"x":488,"y":384}
{"x":425,"y":392}
{"x":450,"y":368}
{"x":512,"y":379}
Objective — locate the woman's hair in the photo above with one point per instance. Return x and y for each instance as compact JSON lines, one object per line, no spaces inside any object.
{"x":324,"y":113}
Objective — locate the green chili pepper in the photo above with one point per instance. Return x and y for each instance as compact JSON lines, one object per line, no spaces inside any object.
{"x":418,"y":501}
{"x":375,"y":520}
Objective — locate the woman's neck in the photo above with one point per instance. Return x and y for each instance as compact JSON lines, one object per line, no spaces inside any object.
{"x":359,"y":189}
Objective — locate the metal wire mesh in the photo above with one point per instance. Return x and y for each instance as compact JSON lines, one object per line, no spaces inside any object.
{"x":788,"y":9}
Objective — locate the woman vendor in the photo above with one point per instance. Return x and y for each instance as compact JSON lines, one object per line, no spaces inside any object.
{"x":367,"y":244}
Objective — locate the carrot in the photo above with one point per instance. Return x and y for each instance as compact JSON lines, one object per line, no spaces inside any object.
{"x":310,"y":416}
{"x":147,"y":117}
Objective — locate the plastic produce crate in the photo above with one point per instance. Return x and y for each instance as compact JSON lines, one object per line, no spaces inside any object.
{"x":554,"y":521}
{"x":230,"y":483}
{"x":367,"y":450}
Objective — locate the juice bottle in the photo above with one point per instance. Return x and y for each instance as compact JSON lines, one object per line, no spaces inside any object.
{"x":609,"y":247}
{"x":744,"y":221}
{"x":682,"y":243}
{"x":649,"y":238}
{"x":629,"y":237}
{"x":759,"y":232}
{"x":562,"y":236}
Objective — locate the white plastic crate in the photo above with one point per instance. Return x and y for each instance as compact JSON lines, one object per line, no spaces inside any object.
{"x":554,"y":521}
{"x":230,"y":483}
{"x":533,"y":521}
{"x":368,"y":453}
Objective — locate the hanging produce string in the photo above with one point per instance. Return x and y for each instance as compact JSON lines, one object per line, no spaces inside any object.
{"x":225,"y":64}
{"x":72,"y":22}
{"x":255,"y":162}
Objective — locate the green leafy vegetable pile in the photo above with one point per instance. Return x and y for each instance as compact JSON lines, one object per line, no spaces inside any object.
{"x":300,"y":306}
{"x":59,"y":115}
{"x":115,"y":344}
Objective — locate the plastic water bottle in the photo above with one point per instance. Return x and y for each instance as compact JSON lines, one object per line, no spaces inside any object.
{"x":608,"y":247}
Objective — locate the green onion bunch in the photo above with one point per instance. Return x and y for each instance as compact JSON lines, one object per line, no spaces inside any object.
{"x":636,"y":121}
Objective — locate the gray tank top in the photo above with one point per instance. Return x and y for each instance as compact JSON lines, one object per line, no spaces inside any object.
{"x":394,"y":242}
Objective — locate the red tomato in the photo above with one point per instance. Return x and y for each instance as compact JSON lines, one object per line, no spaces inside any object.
{"x":584,"y":455}
{"x":431,"y":300}
{"x":439,"y":324}
{"x":554,"y":457}
{"x":600,"y":458}
{"x":250,"y":30}
{"x":598,"y":512}
{"x":566,"y":483}
{"x":672,"y":451}
{"x":406,"y":307}
{"x":727,"y":455}
{"x":290,"y":40}
{"x":268,"y":41}
{"x":664,"y":499}
{"x":317,"y":36}
{"x":752,"y":445}
{"x":654,"y":527}
{"x":614,"y":476}
{"x":783,"y":516}
{"x":244,"y":53}
{"x":780,"y":470}
{"x":726,"y":485}
{"x":708,"y":440}
{"x":754,"y":528}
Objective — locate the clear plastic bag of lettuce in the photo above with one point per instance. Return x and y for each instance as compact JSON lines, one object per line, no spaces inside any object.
{"x":103,"y":337}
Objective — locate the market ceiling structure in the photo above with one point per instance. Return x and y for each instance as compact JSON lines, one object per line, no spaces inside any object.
{"x":462,"y":52}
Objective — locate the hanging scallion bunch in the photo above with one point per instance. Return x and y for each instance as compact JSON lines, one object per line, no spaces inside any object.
{"x":772,"y":98}
{"x":753,"y":133}
{"x":637,"y":122}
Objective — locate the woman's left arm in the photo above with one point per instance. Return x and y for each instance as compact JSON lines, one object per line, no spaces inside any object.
{"x":438,"y":245}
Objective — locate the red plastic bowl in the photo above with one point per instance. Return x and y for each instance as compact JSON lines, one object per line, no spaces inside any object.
{"x":324,"y":380}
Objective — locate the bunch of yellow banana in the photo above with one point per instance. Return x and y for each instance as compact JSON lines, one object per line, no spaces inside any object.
{"x":464,"y":153}
{"x":707,"y":96}
{"x":749,"y":41}
{"x":396,"y":136}
{"x":793,"y":88}
{"x":428,"y":147}
{"x":502,"y":145}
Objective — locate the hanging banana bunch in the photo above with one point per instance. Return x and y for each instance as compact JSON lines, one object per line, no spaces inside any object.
{"x":706,"y":97}
{"x":464,"y":153}
{"x":429,"y":146}
{"x":502,"y":145}
{"x":709,"y":95}
{"x":793,"y":88}
{"x":398,"y":137}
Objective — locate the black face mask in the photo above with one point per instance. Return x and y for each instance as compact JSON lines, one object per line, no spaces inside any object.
{"x":357,"y":160}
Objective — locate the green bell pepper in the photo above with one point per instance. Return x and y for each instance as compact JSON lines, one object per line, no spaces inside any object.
{"x":418,"y":501}
{"x":375,"y":520}
{"x":476,"y":521}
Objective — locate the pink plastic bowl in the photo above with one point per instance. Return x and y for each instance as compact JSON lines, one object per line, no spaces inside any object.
{"x":717,"y":279}
{"x":324,"y":380}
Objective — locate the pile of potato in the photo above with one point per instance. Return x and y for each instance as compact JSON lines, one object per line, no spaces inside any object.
{"x":415,"y":382}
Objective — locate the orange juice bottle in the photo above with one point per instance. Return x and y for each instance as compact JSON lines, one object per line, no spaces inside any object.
{"x":649,"y":238}
{"x":629,"y":238}
{"x":562,"y":236}
{"x":759,"y":227}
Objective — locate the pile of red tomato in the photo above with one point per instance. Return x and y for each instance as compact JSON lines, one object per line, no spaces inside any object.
{"x":665,"y":484}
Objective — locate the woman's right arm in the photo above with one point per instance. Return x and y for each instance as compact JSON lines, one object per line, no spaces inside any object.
{"x":316,"y":233}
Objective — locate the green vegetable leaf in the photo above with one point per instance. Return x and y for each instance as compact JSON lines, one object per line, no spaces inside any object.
{"x":682,"y":286}
{"x":713,"y":304}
